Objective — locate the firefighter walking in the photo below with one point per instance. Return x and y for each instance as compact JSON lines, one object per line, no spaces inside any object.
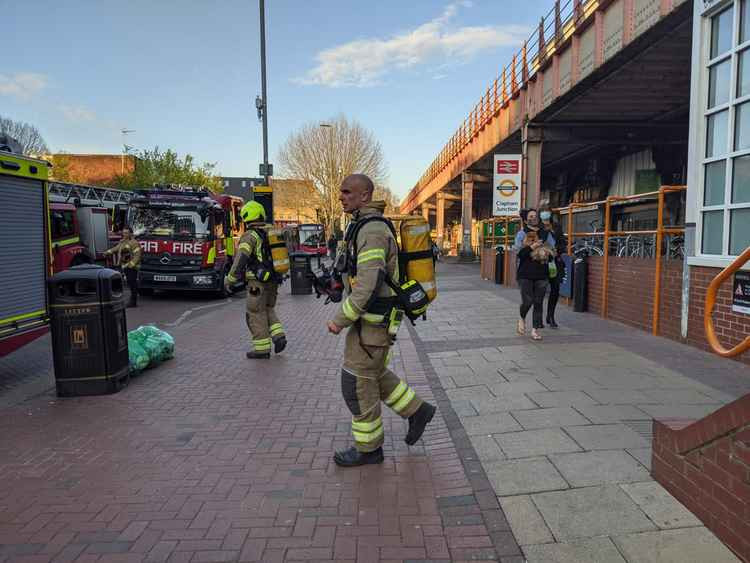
{"x":365,"y":377}
{"x":128,"y":255}
{"x":256,"y":261}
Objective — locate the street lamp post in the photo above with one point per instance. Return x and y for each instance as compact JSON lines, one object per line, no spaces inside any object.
{"x":264,"y":96}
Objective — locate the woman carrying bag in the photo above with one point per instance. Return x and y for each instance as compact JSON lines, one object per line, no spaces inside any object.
{"x":534,"y":246}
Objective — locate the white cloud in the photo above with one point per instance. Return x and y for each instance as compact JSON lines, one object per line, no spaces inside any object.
{"x":77,"y":113}
{"x":363,"y":62}
{"x":22,"y":85}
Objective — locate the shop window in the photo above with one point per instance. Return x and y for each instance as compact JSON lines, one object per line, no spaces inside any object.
{"x":724,"y":228}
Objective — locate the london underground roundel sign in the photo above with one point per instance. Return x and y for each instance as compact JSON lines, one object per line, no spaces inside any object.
{"x":506,"y":195}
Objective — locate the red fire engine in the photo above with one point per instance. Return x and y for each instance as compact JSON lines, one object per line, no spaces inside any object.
{"x":188,"y":238}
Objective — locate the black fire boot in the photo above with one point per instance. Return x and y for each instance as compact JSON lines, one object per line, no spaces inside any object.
{"x":279,"y":344}
{"x":353,"y":457}
{"x":258,"y":355}
{"x":418,"y":421}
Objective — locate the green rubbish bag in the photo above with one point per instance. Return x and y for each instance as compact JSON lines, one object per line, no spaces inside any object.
{"x":137,"y":357}
{"x":157,"y":345}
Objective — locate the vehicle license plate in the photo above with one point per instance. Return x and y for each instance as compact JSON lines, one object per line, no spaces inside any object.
{"x":165,"y":278}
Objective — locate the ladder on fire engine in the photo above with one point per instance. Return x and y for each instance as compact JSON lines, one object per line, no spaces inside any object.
{"x":62,"y":192}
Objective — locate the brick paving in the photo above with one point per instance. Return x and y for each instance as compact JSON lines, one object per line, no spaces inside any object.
{"x":210,"y":457}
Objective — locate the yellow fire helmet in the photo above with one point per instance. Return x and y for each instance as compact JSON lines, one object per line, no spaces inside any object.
{"x":252,"y":212}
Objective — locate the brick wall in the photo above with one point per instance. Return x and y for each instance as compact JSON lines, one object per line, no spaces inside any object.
{"x":706,"y":466}
{"x":630,"y":295}
{"x":731,"y":328}
{"x":97,"y":169}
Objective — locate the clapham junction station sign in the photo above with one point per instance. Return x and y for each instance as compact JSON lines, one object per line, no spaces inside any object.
{"x":506,"y":185}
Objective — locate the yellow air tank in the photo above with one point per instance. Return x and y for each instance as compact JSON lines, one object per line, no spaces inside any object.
{"x":416,"y":250}
{"x":279,"y":251}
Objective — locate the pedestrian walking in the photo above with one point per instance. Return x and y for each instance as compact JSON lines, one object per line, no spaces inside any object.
{"x":127,"y":254}
{"x":371,"y":253}
{"x":535,"y":247}
{"x":561,"y":246}
{"x":254,"y":260}
{"x":332,"y":246}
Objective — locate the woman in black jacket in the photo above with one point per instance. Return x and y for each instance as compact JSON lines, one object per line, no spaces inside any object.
{"x":561,"y":247}
{"x":534,"y":246}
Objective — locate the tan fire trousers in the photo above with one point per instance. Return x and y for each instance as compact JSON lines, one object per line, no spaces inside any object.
{"x":366,"y":381}
{"x":260,"y":315}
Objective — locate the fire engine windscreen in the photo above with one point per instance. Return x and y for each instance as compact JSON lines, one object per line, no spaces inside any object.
{"x":312,"y":235}
{"x":169,"y":223}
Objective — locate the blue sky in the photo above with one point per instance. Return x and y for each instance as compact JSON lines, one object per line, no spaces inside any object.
{"x":184,"y":73}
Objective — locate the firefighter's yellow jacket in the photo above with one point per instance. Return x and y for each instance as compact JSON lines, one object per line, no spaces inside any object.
{"x":377,"y":256}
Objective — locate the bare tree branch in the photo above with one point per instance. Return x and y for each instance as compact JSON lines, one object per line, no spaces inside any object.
{"x":31,"y":140}
{"x":327,"y":155}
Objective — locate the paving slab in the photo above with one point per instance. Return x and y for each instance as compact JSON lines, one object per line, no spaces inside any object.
{"x":665,"y":510}
{"x":624,"y":380}
{"x":561,"y":398}
{"x":489,"y":404}
{"x":516,"y":387}
{"x":678,"y":396}
{"x":554,"y":417}
{"x":691,"y":545}
{"x":531,"y":443}
{"x":523,"y":476}
{"x":525,"y":520}
{"x":606,"y":437}
{"x":598,"y":550}
{"x":678,"y":411}
{"x":597,"y":468}
{"x":467,"y":393}
{"x":592,"y":511}
{"x":605,"y":414}
{"x":496,"y":423}
{"x":567,"y":382}
{"x":619,"y":396}
{"x":643,"y":455}
{"x":487,"y":448}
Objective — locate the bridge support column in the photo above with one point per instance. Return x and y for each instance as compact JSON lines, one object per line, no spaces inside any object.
{"x":532,"y":140}
{"x":440,"y":219}
{"x":467,"y":210}
{"x":426,"y":212}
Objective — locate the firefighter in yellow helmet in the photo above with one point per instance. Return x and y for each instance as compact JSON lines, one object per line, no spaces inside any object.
{"x":254,"y":260}
{"x":365,"y":377}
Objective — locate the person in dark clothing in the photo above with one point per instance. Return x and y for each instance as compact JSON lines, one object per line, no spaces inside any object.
{"x":332,"y":246}
{"x":535,"y":247}
{"x":561,"y":247}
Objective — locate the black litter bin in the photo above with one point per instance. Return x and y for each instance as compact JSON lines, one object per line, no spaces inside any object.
{"x":301,"y":273}
{"x":580,"y":268}
{"x":89,"y":331}
{"x":499,"y":265}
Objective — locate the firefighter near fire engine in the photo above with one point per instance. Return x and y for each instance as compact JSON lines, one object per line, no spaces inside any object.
{"x":376,"y":302}
{"x":127,"y":254}
{"x":263,"y":259}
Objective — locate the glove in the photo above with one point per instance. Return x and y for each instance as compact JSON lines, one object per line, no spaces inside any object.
{"x":227,"y":285}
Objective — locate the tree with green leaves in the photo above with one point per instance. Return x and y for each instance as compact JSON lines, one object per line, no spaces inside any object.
{"x":156,"y":167}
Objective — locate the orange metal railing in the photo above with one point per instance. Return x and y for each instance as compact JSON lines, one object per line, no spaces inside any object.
{"x":554,"y":30}
{"x":660,"y":231}
{"x":708,"y":323}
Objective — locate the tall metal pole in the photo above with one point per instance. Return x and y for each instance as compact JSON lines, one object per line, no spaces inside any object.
{"x":263,"y":87}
